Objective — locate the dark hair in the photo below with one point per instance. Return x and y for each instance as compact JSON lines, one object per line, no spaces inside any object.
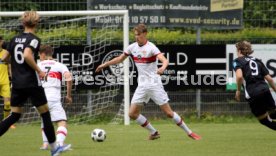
{"x":140,"y":28}
{"x":1,"y":37}
{"x":245,"y":47}
{"x":47,"y":49}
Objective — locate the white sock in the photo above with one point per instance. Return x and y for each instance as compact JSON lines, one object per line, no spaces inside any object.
{"x":53,"y":146}
{"x":141,"y":120}
{"x":61,"y":135}
{"x":179,"y":122}
{"x":44,"y":138}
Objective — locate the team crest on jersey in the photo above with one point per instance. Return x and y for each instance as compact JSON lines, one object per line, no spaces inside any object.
{"x":144,"y":53}
{"x":115,"y":73}
{"x":139,"y":57}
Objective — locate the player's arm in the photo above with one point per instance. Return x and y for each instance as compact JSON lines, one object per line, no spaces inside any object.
{"x":116,"y":60}
{"x":239,"y":80}
{"x":28,"y":57}
{"x":5,"y":57}
{"x":9,"y":70}
{"x":270,"y":81}
{"x":68,"y":79}
{"x":165,"y":63}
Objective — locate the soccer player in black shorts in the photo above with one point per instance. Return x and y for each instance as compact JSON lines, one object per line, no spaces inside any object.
{"x":26,"y":75}
{"x":251,"y":73}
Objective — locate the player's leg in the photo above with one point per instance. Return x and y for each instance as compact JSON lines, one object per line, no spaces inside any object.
{"x":140,"y":97}
{"x":11,"y":119}
{"x":5,"y":92}
{"x":40,"y":102}
{"x":61,"y":132}
{"x":18,"y":98}
{"x":134,"y":114}
{"x":58,"y":116}
{"x":260,"y":107}
{"x":47,"y":124}
{"x":7,"y":107}
{"x":44,"y":138}
{"x":160,"y":97}
{"x":266,"y":120}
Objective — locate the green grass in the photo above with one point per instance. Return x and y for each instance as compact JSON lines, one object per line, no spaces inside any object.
{"x":231,"y":139}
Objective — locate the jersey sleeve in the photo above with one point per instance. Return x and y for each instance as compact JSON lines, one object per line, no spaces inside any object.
{"x":155,"y":50}
{"x":264,"y":70}
{"x":128,"y":50}
{"x":63,"y":68}
{"x":34,"y":44}
{"x":236,"y":64}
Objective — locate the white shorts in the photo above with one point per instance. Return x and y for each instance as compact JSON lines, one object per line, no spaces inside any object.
{"x":143,"y":94}
{"x":56,"y":110}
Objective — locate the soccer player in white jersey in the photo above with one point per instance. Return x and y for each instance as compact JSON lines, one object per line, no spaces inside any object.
{"x":52,"y":86}
{"x":145,"y":55}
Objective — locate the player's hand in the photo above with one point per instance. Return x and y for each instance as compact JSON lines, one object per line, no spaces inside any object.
{"x":42,"y":75}
{"x":100,"y":67}
{"x":238,"y":95}
{"x":68,"y":100}
{"x":160,"y":71}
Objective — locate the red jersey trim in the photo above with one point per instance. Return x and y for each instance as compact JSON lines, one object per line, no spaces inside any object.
{"x":56,"y":75}
{"x":144,"y":59}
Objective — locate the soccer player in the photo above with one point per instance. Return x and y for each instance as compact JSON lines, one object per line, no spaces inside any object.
{"x":145,"y":55}
{"x":251,"y":73}
{"x":52,"y":87}
{"x":26,"y":79}
{"x":5,"y":82}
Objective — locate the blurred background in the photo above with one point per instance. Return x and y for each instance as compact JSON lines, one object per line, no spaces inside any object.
{"x":199,"y":30}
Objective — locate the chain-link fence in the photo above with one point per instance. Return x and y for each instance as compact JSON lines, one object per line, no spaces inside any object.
{"x":185,"y":103}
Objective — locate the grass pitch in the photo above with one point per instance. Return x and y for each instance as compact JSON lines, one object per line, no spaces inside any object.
{"x":231,"y":139}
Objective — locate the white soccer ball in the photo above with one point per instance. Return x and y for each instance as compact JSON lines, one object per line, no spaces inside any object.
{"x":98,"y":135}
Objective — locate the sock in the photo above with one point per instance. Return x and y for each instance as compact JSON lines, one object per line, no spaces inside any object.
{"x":273,"y":116}
{"x":61,"y":135}
{"x":269,"y":123}
{"x":6,"y":123}
{"x":7,"y":109}
{"x":48,"y":127}
{"x":179,"y":122}
{"x":44,"y":138}
{"x":141,"y":120}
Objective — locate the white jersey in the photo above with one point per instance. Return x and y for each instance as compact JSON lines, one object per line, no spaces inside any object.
{"x":55,"y":71}
{"x":146,"y":63}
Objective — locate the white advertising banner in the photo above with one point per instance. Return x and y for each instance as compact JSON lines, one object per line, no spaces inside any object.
{"x":265,"y":52}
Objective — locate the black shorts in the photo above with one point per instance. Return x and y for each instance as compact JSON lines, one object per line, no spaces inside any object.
{"x":20,"y":96}
{"x":262,"y":103}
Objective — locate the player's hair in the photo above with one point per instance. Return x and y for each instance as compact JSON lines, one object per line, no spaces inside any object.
{"x":245,"y":47}
{"x":47,"y":49}
{"x":30,"y":19}
{"x":140,"y":28}
{"x":1,"y":37}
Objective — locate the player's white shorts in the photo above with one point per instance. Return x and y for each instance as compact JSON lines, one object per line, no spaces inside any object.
{"x":143,"y":94}
{"x":56,"y":110}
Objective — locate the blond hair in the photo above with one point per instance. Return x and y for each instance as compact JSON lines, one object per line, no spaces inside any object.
{"x":30,"y":19}
{"x":140,"y":28}
{"x":245,"y":47}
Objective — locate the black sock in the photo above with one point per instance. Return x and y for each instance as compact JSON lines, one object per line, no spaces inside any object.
{"x":6,"y":123}
{"x":273,"y":115}
{"x":268,"y":123}
{"x":48,"y":127}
